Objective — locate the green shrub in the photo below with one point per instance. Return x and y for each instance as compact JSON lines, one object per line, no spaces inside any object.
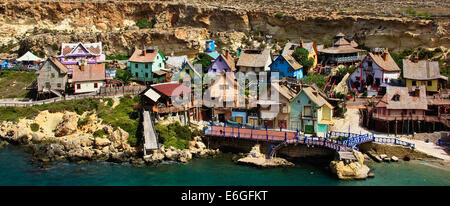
{"x":279,"y":15}
{"x":83,"y":121}
{"x":144,"y":23}
{"x":109,"y":101}
{"x":117,"y":57}
{"x":34,"y":127}
{"x":317,"y":79}
{"x":174,"y":135}
{"x":99,"y":133}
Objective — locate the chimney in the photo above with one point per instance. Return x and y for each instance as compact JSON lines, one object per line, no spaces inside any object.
{"x":227,"y":54}
{"x":385,"y":54}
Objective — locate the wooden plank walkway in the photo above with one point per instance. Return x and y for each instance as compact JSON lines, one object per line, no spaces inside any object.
{"x":345,"y":155}
{"x":150,"y":139}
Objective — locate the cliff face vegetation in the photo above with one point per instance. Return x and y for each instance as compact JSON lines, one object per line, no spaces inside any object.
{"x":181,"y":27}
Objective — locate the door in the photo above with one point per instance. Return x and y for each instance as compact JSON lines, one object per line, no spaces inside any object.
{"x":282,"y":124}
{"x":268,"y":123}
{"x":221,"y":117}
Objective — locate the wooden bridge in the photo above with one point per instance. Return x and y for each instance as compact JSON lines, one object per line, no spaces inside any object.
{"x":341,"y":142}
{"x":150,"y":137}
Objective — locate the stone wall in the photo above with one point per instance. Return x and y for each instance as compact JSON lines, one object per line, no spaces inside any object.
{"x":226,"y":144}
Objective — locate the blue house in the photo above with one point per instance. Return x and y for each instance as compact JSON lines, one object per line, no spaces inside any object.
{"x":5,"y":64}
{"x":287,"y":67}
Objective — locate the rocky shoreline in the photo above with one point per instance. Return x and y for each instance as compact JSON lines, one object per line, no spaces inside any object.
{"x":62,"y":136}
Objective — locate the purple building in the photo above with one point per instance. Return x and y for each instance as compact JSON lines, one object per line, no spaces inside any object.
{"x":223,"y":63}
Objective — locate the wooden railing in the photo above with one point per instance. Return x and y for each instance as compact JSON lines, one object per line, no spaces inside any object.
{"x":163,"y":110}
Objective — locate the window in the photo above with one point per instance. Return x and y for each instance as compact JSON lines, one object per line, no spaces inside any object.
{"x":53,"y":75}
{"x":369,"y":63}
{"x":78,"y":86}
{"x":137,"y":74}
{"x":146,"y":75}
{"x":95,"y":85}
{"x":160,"y":65}
{"x":396,"y":98}
{"x":135,"y":65}
{"x":414,"y":83}
{"x":308,"y":111}
{"x":58,"y":85}
{"x":146,"y":66}
{"x":47,"y":85}
{"x":430,"y":83}
{"x":290,"y":70}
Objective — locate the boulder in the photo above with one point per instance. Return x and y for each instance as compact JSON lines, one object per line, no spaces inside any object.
{"x":68,"y":125}
{"x":101,"y":142}
{"x":184,"y":156}
{"x":156,"y":157}
{"x":394,"y":158}
{"x":171,"y":154}
{"x":352,"y":170}
{"x":200,"y":145}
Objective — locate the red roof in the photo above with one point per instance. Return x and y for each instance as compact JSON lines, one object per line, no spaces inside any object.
{"x":139,"y":56}
{"x":91,"y":72}
{"x":171,"y":88}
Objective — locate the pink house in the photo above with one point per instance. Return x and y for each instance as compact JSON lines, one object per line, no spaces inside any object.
{"x":75,"y":53}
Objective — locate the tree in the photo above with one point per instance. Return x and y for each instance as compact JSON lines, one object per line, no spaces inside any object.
{"x":124,"y":76}
{"x":317,"y":79}
{"x":301,"y":56}
{"x":204,"y":60}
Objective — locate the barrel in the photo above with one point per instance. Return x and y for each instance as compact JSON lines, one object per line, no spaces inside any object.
{"x":210,"y":46}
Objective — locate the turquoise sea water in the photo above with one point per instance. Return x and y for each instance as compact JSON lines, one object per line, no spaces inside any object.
{"x":15,"y":169}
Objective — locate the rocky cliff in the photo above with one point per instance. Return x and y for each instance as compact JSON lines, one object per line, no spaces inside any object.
{"x":181,"y":27}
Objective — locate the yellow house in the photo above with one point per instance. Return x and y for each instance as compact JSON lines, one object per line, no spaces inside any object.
{"x":425,"y":73}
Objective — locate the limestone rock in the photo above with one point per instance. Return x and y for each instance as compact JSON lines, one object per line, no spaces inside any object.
{"x":351,"y":171}
{"x":68,"y":125}
{"x":394,"y":158}
{"x":184,"y":156}
{"x":101,"y":142}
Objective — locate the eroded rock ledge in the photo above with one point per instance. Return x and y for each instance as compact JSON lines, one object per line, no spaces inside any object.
{"x":59,"y":136}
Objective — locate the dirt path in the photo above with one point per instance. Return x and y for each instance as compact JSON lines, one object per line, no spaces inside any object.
{"x":350,"y":122}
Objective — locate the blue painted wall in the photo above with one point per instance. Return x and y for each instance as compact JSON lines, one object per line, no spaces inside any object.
{"x":235,"y":114}
{"x":285,"y":69}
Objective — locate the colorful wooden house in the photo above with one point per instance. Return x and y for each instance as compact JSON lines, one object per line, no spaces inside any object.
{"x":148,"y":65}
{"x":223,"y":63}
{"x":343,"y":51}
{"x":275,"y":114}
{"x":376,"y":70}
{"x":189,"y":70}
{"x":426,"y":73}
{"x":162,"y":98}
{"x":255,"y":60}
{"x":88,"y":78}
{"x":286,"y":66}
{"x":310,"y":112}
{"x":74,"y":53}
{"x":52,"y":76}
{"x":223,"y":96}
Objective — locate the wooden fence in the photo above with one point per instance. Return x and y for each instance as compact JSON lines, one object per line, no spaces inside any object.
{"x":102,"y":93}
